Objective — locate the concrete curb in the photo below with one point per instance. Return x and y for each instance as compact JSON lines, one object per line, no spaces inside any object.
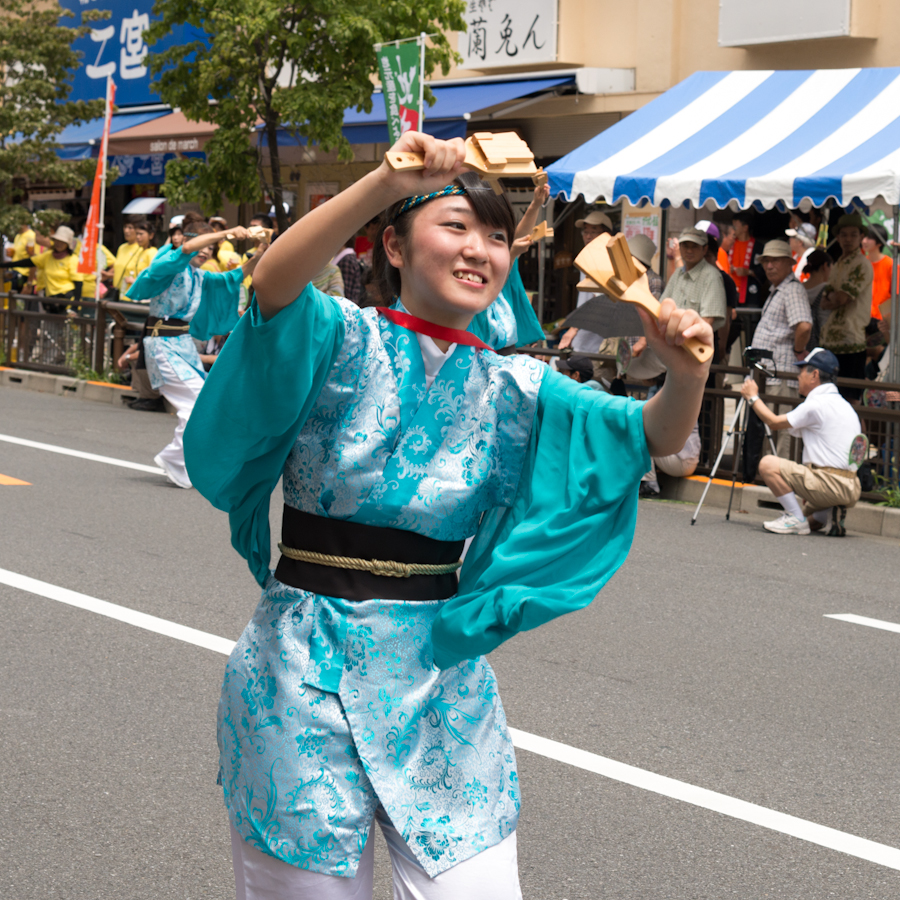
{"x":63,"y":386}
{"x":864,"y":518}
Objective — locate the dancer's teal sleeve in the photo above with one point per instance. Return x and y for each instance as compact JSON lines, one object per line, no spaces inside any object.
{"x":251,"y":409}
{"x":513,"y":296}
{"x":220,"y":292}
{"x":218,"y":310}
{"x":568,"y":530}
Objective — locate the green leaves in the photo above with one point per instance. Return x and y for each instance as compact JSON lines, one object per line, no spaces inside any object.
{"x":294,"y":65}
{"x":36,"y":57}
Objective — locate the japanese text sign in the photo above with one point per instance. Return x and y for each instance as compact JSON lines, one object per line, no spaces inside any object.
{"x":508,"y":33}
{"x":116,"y":47}
{"x":398,"y":65}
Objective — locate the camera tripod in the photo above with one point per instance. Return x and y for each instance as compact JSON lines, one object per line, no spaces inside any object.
{"x":753,"y":357}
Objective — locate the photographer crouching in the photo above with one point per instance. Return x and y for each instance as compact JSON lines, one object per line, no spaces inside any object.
{"x":829,"y":427}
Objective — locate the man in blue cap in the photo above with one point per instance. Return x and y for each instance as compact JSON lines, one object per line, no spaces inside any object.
{"x":829,"y":428}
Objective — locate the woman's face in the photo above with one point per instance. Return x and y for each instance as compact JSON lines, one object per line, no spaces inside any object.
{"x":176,"y":238}
{"x":451,"y":264}
{"x":60,"y":248}
{"x":143,"y":238}
{"x":128,"y":230}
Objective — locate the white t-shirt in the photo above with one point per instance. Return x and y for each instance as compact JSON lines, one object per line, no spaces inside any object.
{"x":827,"y":423}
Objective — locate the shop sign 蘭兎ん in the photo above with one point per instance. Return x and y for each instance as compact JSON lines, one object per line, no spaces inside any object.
{"x":508,"y":33}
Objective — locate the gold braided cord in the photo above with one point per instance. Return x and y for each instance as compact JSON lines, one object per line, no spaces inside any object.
{"x":384,"y":567}
{"x":160,"y":326}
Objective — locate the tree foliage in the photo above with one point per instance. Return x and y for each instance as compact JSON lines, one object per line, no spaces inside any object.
{"x":36,"y":62}
{"x":291,"y":64}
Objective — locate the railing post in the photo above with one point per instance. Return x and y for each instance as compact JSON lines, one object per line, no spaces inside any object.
{"x":99,"y":337}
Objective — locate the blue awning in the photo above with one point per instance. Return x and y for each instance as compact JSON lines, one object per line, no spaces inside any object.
{"x":76,"y":139}
{"x":446,"y":119}
{"x":759,"y":138}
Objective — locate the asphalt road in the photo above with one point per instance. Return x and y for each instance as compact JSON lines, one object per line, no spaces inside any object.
{"x":707,"y":659}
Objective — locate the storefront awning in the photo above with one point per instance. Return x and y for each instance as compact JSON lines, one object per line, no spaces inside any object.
{"x":448,"y":118}
{"x":759,"y":138}
{"x":83,"y":141}
{"x":171,"y":133}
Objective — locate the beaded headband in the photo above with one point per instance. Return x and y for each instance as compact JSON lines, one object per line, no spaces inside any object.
{"x":418,"y":199}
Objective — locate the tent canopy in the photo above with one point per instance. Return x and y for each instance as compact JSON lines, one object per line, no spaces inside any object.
{"x":759,"y":138}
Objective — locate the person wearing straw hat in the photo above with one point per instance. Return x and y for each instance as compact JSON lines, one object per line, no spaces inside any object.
{"x":592,"y":226}
{"x":59,"y":265}
{"x":785,"y":324}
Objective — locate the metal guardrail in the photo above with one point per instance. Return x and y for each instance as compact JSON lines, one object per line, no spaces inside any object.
{"x":881,"y":424}
{"x":91,"y":333}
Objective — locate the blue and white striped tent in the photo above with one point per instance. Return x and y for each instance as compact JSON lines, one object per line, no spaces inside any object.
{"x":758,"y":138}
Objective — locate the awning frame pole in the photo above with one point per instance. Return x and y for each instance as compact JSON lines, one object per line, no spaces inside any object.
{"x":894,"y":366}
{"x":663,"y":242}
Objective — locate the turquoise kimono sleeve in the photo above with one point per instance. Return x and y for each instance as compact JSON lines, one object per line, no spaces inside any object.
{"x":491,"y":325}
{"x":251,"y":409}
{"x":160,"y":273}
{"x":220,"y":294}
{"x":568,"y":530}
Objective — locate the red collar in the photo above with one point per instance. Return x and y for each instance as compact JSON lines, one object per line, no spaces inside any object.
{"x":421,"y":326}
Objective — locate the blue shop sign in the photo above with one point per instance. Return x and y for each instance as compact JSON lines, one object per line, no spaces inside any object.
{"x":116,"y":46}
{"x":145,"y":168}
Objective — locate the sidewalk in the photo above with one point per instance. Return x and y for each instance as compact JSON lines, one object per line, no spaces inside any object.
{"x":118,"y":395}
{"x":864,"y":518}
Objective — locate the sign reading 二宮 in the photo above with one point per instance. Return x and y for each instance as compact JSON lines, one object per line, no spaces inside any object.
{"x":508,"y":33}
{"x":398,"y":65}
{"x":115,"y":47}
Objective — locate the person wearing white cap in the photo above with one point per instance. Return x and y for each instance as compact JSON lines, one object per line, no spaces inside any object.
{"x":785,"y":325}
{"x":833,"y":448}
{"x":803,"y":241}
{"x":592,"y":226}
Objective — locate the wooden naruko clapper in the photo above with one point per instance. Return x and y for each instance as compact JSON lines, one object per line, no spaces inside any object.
{"x":612,"y":270}
{"x":492,"y":156}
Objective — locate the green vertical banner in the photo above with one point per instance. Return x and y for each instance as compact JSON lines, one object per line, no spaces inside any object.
{"x":399,"y":68}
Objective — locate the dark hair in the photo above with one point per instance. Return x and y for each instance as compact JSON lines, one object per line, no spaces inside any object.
{"x":144,"y":225}
{"x":712,"y":245}
{"x":263,"y":219}
{"x":877,"y":233}
{"x":743,"y":215}
{"x":816,"y":260}
{"x":194,"y":224}
{"x":492,"y":209}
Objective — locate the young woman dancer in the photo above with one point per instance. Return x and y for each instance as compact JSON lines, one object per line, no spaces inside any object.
{"x":185,"y":303}
{"x":358,"y":692}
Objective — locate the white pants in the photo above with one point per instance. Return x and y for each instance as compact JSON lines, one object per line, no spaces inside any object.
{"x":492,"y":874}
{"x":182,"y":395}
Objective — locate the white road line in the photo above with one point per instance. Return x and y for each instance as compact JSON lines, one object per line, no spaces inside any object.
{"x":864,"y":620}
{"x":821,"y":835}
{"x":91,"y":456}
{"x":113,"y":611}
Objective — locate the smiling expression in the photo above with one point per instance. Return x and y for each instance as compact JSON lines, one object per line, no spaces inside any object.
{"x":452,"y":265}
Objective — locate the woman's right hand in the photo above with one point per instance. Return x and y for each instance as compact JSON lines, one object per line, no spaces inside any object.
{"x":443,"y":163}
